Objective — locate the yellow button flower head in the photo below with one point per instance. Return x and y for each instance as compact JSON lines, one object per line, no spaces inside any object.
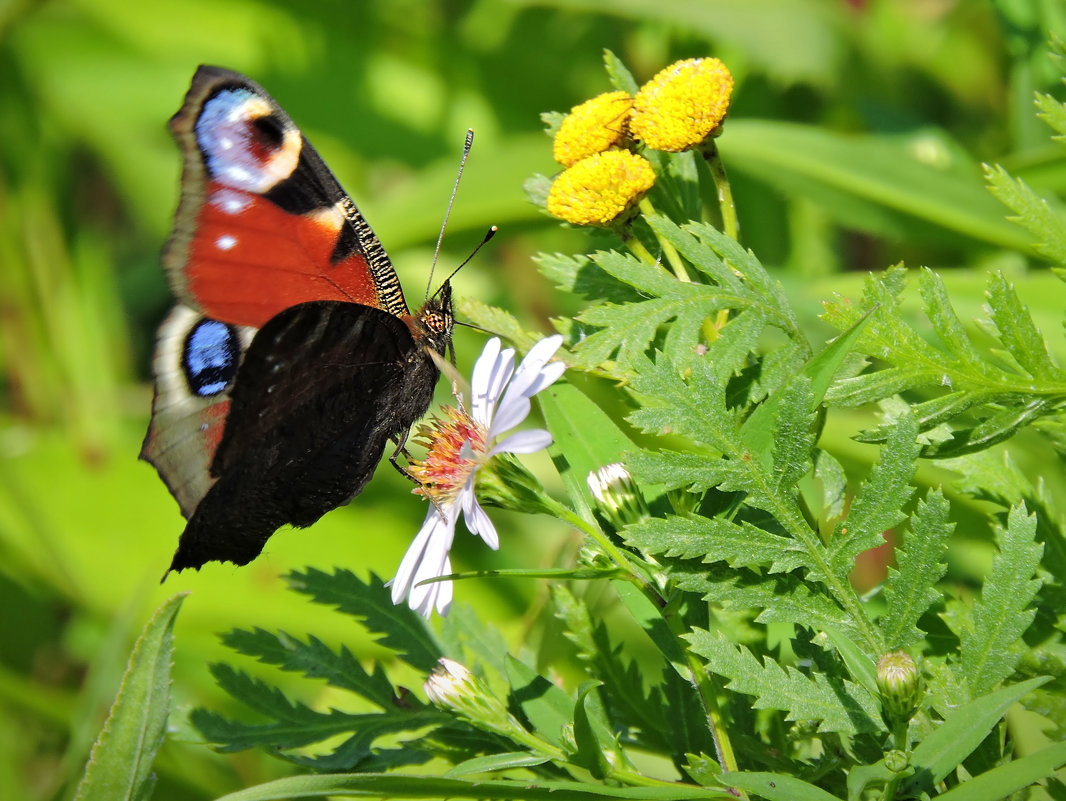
{"x":597,"y":190}
{"x":682,"y":105}
{"x":592,"y":127}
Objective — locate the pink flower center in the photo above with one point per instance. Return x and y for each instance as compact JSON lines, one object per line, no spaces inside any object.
{"x":447,"y":465}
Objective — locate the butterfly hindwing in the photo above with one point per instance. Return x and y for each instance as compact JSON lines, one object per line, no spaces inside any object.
{"x":195,"y":365}
{"x":322,"y":389}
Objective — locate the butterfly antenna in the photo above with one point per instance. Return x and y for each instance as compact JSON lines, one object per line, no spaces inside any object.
{"x":488,"y":235}
{"x":462,"y":163}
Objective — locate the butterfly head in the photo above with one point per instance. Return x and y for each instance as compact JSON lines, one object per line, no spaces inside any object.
{"x":437,"y":319}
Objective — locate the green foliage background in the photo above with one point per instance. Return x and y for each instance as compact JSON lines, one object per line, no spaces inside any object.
{"x":855,"y":142}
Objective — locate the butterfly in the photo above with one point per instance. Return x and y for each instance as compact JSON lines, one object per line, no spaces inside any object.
{"x":291,"y":358}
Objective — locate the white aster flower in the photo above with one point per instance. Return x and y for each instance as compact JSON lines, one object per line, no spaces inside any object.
{"x":459,"y":445}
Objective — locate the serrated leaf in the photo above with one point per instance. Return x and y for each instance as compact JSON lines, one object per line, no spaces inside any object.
{"x":497,"y":321}
{"x":714,"y":539}
{"x":621,"y":78}
{"x":1018,"y":332}
{"x":120,"y":764}
{"x":780,"y":597}
{"x":877,"y":506}
{"x":1053,"y":112}
{"x":315,"y":660}
{"x":836,"y":706}
{"x":910,"y":588}
{"x":1031,"y":211}
{"x":398,"y":627}
{"x":992,"y":648}
{"x":580,"y":275}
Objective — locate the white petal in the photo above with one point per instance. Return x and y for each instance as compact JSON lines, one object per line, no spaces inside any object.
{"x":531,"y":377}
{"x":550,"y":373}
{"x":401,"y":584}
{"x":431,"y":566}
{"x":491,"y":373}
{"x":483,"y":525}
{"x":531,"y":441}
{"x":424,"y":557}
{"x":512,"y":411}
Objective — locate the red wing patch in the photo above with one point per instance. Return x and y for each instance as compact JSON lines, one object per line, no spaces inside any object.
{"x":262,"y":223}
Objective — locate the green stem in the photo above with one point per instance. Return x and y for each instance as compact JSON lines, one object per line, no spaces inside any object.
{"x":730,"y":224}
{"x":708,"y":693}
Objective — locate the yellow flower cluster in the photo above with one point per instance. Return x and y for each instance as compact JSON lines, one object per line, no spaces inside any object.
{"x":683,"y":105}
{"x":680,"y":108}
{"x":600,"y":188}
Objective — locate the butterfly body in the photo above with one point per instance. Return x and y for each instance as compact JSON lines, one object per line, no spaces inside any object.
{"x":291,"y":360}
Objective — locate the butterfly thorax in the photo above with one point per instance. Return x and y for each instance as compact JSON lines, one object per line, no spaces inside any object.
{"x":436,"y":321}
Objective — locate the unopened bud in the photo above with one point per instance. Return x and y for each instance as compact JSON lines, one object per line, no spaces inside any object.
{"x":897,"y":679}
{"x":617,"y":496}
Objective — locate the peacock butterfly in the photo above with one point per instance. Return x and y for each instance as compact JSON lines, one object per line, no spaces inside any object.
{"x":291,"y":358}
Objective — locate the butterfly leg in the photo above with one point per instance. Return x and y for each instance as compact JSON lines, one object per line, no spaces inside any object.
{"x":401,"y":442}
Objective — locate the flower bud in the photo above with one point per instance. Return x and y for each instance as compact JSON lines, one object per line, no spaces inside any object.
{"x":899,"y":684}
{"x":617,"y":496}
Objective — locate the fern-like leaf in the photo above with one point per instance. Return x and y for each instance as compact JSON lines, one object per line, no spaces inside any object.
{"x":835,"y":705}
{"x":992,"y":647}
{"x":398,"y":627}
{"x":911,"y":586}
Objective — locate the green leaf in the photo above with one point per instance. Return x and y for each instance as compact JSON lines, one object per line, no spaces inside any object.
{"x":714,"y":539}
{"x":429,"y":786}
{"x":872,"y":182}
{"x":585,"y":439}
{"x":399,"y":628}
{"x":497,"y":321}
{"x":991,"y":650}
{"x":911,"y":586}
{"x":621,"y":78}
{"x":591,"y":752}
{"x":987,"y":399}
{"x":1032,"y":211}
{"x":835,"y":705}
{"x":879,"y":502}
{"x":494,"y":763}
{"x":948,"y":745}
{"x":760,"y":430}
{"x":315,"y":660}
{"x":782,"y":598}
{"x":1053,"y":112}
{"x":548,"y":708}
{"x":120,"y":765}
{"x":775,"y":786}
{"x":1018,"y":332}
{"x":1003,"y":781}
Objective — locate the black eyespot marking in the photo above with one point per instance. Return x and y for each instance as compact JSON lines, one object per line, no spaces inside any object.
{"x":210,"y":357}
{"x":269,"y":131}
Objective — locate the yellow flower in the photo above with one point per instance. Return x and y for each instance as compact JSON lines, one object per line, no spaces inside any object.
{"x":683,"y":105}
{"x":592,"y":127}
{"x":597,"y":190}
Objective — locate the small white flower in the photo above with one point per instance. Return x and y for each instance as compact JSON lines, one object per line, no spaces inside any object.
{"x":460,"y":445}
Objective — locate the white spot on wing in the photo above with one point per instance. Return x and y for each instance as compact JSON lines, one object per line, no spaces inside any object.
{"x":229,"y":201}
{"x":226,"y":242}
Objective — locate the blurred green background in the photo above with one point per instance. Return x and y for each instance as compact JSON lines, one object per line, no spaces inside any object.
{"x":89,"y":181}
